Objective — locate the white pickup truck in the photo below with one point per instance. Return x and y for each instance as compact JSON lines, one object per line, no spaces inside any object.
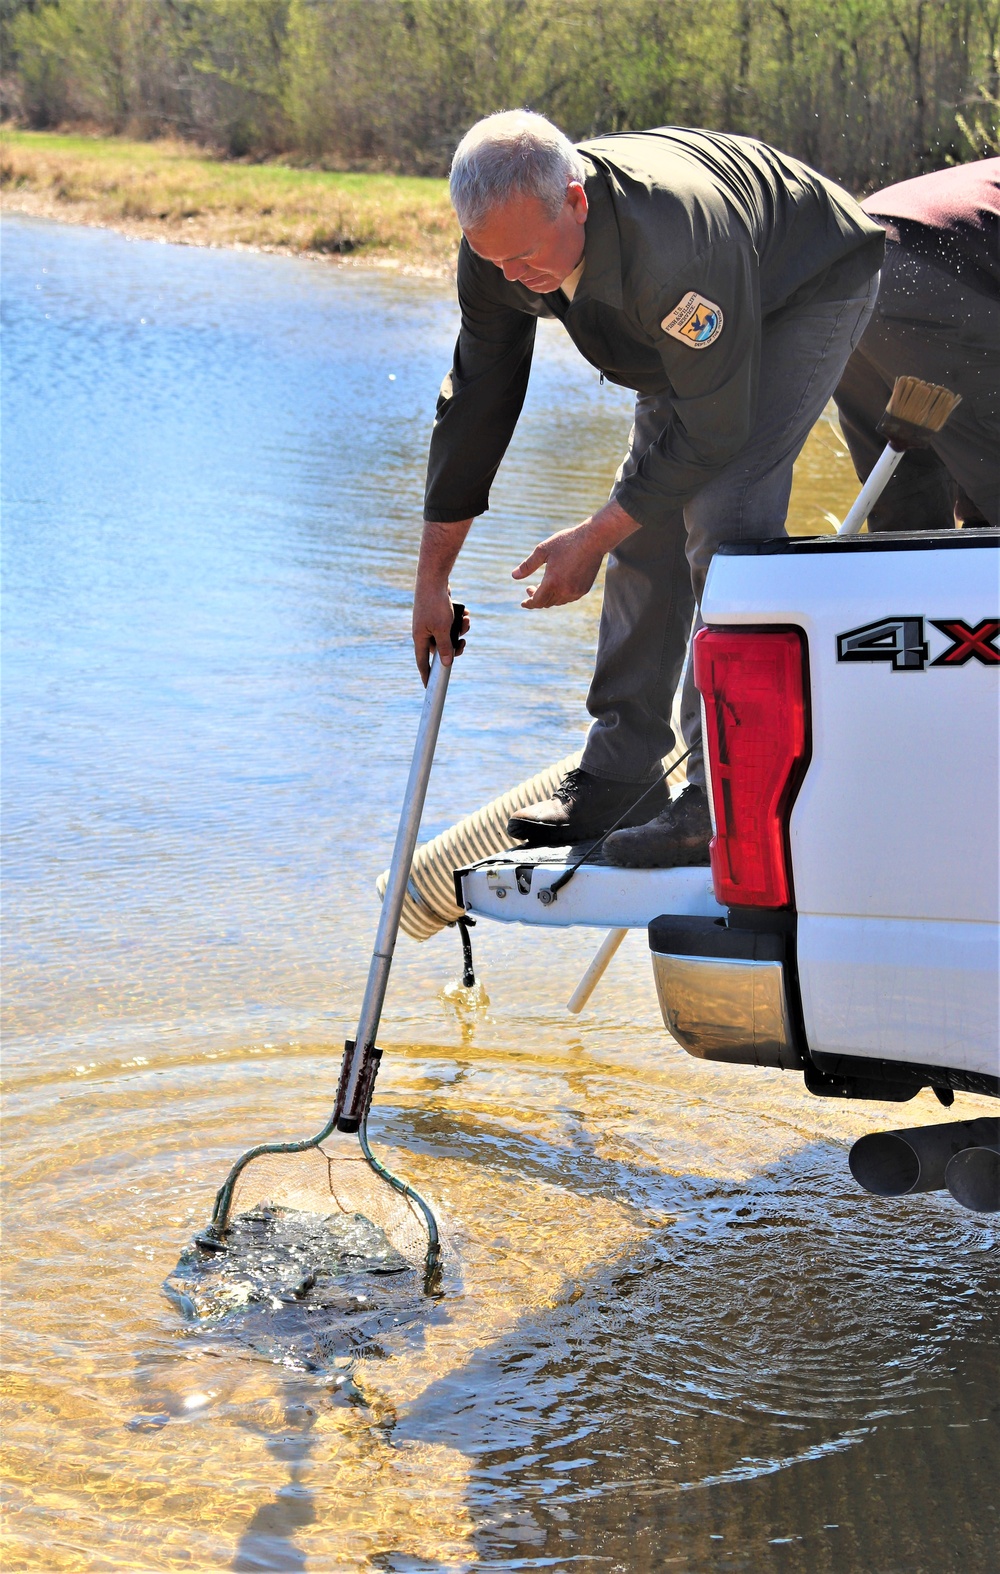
{"x":848,"y":927}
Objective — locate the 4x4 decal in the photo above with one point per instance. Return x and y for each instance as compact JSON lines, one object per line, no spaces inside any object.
{"x":901,"y":643}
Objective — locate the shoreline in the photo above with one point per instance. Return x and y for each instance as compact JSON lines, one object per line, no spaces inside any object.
{"x":173,"y":193}
{"x":407,"y":265}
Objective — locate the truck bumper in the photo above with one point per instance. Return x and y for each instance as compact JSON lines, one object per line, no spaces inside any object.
{"x":723,"y":991}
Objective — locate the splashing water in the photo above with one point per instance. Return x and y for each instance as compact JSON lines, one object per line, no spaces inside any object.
{"x":467,"y":997}
{"x":299,"y":1288}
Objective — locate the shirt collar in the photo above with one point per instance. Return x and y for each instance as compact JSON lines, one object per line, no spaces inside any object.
{"x":570,"y":283}
{"x":602,"y":261}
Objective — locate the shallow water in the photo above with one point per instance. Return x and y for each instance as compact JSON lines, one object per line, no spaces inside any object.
{"x":671,"y":1333}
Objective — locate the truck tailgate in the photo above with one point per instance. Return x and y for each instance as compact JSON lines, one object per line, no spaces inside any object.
{"x":894,"y":833}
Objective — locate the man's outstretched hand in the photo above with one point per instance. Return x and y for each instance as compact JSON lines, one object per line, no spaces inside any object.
{"x":572,"y":557}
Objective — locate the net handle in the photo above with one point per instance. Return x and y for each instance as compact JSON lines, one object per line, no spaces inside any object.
{"x":355,"y":1085}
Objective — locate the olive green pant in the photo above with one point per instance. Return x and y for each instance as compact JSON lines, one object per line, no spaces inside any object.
{"x":655,"y":578}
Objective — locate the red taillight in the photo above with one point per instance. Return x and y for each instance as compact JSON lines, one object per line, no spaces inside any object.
{"x":754,"y":687}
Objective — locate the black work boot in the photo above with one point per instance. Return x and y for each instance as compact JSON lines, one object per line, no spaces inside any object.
{"x":680,"y":834}
{"x":582,"y":808}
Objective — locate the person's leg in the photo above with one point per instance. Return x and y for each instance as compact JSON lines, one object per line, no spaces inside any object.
{"x":802,"y":357}
{"x":645,"y":622}
{"x":929,"y":324}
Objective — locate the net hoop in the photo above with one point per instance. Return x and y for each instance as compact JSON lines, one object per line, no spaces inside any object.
{"x":212,"y":1237}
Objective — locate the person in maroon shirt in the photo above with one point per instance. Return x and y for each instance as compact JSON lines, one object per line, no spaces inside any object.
{"x":937,"y":317}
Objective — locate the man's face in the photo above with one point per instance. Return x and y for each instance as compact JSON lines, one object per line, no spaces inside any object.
{"x":528,"y":246}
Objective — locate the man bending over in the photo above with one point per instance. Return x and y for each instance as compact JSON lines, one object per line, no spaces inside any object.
{"x":725,"y":283}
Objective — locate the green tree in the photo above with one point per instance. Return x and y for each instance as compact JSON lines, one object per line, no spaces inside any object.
{"x":867,"y":90}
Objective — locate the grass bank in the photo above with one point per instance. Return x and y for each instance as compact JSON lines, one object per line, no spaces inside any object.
{"x":172,"y":191}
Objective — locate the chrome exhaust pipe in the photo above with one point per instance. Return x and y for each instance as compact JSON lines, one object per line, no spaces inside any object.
{"x":973,"y":1178}
{"x":898,"y":1163}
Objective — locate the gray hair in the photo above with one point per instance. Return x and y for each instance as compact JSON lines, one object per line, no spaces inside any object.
{"x":512,"y":154}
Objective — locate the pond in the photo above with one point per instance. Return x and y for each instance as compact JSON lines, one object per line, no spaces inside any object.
{"x":671,"y":1332}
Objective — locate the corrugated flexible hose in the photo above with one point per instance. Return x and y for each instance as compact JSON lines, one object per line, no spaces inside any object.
{"x":430,"y":893}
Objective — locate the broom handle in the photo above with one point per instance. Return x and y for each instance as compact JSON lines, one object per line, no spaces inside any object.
{"x":402,"y":858}
{"x":871,"y":491}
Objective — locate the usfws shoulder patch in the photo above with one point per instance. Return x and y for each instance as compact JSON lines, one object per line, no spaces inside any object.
{"x":694,"y":321}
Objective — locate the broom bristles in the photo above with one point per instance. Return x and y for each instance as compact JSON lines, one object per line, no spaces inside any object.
{"x":921,"y":404}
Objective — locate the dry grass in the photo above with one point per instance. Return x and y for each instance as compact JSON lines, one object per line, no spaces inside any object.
{"x":175,"y":192}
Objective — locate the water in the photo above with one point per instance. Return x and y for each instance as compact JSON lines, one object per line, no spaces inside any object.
{"x":671,"y":1332}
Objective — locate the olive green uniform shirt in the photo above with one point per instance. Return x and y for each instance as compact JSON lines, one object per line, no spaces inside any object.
{"x":693,"y":240}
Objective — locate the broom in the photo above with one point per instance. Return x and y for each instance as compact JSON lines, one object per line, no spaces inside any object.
{"x":915,"y":410}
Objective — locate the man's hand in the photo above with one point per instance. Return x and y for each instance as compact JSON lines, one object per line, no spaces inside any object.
{"x":573,"y":557}
{"x":433,"y":613}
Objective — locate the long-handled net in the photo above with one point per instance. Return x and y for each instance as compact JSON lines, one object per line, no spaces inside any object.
{"x":299,"y":1229}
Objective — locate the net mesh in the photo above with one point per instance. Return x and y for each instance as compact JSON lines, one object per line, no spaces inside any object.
{"x":333,"y":1178}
